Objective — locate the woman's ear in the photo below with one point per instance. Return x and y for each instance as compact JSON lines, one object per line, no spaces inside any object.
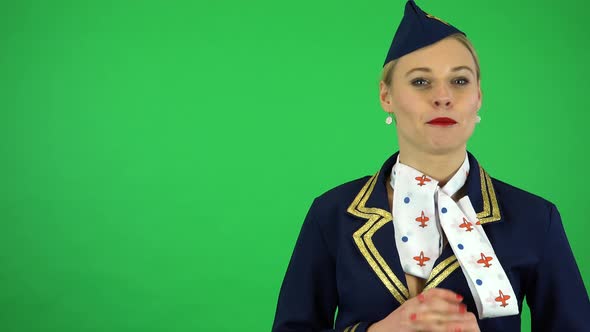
{"x":479,"y":95}
{"x":385,"y":97}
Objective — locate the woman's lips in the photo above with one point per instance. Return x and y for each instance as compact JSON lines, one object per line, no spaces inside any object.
{"x":442,"y":122}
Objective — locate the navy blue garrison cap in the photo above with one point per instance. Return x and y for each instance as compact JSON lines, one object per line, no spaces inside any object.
{"x":416,"y":30}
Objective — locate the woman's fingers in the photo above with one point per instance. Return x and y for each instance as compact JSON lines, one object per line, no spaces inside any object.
{"x":443,"y":294}
{"x":441,"y":306}
{"x":430,"y":320}
{"x":438,"y":310}
{"x":469,"y":324}
{"x":435,"y":322}
{"x":431,"y":311}
{"x":436,"y":300}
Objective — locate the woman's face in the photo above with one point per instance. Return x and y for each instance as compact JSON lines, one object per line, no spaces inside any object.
{"x":437,"y":81}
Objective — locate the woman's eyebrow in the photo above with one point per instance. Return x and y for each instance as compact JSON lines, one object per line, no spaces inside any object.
{"x":428,"y":70}
{"x":463,"y":67}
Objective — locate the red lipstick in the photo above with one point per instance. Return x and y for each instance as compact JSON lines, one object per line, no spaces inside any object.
{"x":442,"y":122}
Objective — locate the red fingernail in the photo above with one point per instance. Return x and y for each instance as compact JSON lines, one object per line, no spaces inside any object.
{"x":421,"y":297}
{"x":462,"y":308}
{"x":413,"y":317}
{"x":459,"y":297}
{"x":457,"y":329}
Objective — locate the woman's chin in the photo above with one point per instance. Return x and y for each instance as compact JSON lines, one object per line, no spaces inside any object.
{"x":445,"y":147}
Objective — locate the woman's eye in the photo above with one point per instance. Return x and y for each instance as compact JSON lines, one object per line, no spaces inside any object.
{"x":461,"y":81}
{"x":419,"y":82}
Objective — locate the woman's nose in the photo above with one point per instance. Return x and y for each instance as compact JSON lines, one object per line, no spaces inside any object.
{"x":442,"y":102}
{"x":443,"y":98}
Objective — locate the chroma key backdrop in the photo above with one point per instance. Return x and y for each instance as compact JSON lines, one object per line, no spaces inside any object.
{"x":157,"y":158}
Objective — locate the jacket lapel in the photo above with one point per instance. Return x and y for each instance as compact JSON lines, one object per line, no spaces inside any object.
{"x":375,"y":238}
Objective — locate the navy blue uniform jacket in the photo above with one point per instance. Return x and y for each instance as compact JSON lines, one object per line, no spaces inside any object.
{"x":345,"y":258}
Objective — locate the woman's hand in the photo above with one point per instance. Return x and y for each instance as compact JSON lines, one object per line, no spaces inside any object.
{"x":434,"y":310}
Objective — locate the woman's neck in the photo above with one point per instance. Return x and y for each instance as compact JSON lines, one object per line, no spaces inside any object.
{"x":439,"y":167}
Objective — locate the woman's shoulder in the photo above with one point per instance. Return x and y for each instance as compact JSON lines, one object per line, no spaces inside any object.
{"x":343,"y":194}
{"x":336,"y":200}
{"x":331,"y":207}
{"x":516,"y":201}
{"x":512,"y":192}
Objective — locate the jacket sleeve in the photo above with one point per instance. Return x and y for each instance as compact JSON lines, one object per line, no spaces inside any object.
{"x":557,"y":297}
{"x":308,"y":297}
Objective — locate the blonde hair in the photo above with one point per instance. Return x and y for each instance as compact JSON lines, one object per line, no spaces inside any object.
{"x":387,"y":72}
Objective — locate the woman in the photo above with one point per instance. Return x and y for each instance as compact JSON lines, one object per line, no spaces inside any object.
{"x":431,"y":242}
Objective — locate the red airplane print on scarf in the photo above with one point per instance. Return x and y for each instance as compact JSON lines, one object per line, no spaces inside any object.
{"x":485,"y":260}
{"x":466,"y":224}
{"x":421,"y":259}
{"x":422,"y":179}
{"x":422,"y":220}
{"x":503,"y":298}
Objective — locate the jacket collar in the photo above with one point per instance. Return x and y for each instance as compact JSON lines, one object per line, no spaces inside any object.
{"x":479,"y":189}
{"x":374,"y":237}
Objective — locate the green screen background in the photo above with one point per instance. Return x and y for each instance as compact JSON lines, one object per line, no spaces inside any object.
{"x":158,"y":157}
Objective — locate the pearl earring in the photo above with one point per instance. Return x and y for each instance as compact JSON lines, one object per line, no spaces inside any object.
{"x":477,"y":119}
{"x":388,"y":119}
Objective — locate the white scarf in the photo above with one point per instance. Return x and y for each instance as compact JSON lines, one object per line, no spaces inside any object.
{"x":422,"y":211}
